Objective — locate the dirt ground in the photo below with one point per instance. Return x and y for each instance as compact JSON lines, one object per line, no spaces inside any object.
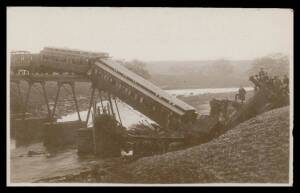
{"x":256,"y":151}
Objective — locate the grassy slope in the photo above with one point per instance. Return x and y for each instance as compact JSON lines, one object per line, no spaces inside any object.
{"x":256,"y":151}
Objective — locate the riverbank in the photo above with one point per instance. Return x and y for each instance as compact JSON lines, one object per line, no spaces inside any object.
{"x":201,"y":101}
{"x":70,"y":167}
{"x":255,"y":151}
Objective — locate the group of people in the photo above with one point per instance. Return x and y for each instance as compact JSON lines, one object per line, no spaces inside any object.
{"x":274,"y":83}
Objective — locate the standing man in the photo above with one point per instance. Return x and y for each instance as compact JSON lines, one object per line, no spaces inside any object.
{"x":255,"y":82}
{"x":241,"y":94}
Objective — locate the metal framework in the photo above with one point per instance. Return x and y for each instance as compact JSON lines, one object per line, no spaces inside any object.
{"x":31,"y":83}
{"x":117,"y":81}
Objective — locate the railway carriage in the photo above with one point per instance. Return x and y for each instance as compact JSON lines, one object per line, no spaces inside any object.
{"x":24,"y":60}
{"x":55,"y":60}
{"x":68,"y":60}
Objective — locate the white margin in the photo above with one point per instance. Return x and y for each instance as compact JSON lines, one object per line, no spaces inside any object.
{"x":9,"y":183}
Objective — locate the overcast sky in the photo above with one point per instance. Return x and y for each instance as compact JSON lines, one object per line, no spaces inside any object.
{"x":154,"y":33}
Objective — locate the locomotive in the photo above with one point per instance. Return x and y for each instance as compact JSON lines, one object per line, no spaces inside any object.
{"x":52,"y":59}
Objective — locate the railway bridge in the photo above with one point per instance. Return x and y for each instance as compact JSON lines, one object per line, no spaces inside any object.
{"x":111,"y":77}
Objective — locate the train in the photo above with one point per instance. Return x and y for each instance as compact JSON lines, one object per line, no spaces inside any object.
{"x":117,"y":76}
{"x":51,"y":59}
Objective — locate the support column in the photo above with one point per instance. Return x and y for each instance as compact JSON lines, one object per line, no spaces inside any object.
{"x":74,"y":97}
{"x":90,"y":105}
{"x":20,"y":95}
{"x":27,"y":98}
{"x":46,"y":99}
{"x":118,"y":111}
{"x":101,"y":101}
{"x":111,"y":105}
{"x":56,"y":99}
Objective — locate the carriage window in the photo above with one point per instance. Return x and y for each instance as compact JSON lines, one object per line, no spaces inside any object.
{"x":141,"y":100}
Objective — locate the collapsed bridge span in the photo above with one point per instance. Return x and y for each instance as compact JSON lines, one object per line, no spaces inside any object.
{"x":142,"y":95}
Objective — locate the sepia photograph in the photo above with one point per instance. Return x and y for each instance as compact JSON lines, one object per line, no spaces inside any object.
{"x":123,"y":96}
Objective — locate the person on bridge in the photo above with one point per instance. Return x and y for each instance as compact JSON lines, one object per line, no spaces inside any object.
{"x":241,"y":94}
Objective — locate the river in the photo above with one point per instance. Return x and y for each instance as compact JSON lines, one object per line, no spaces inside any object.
{"x":192,"y":92}
{"x":30,"y":169}
{"x":129,"y":116}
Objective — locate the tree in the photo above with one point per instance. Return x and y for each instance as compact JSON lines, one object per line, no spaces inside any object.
{"x":138,"y":67}
{"x":275,"y":64}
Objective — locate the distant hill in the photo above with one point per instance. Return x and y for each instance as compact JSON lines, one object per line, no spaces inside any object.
{"x":175,"y":67}
{"x":199,"y":74}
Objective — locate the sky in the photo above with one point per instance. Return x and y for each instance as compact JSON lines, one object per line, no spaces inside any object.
{"x":151,"y":34}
